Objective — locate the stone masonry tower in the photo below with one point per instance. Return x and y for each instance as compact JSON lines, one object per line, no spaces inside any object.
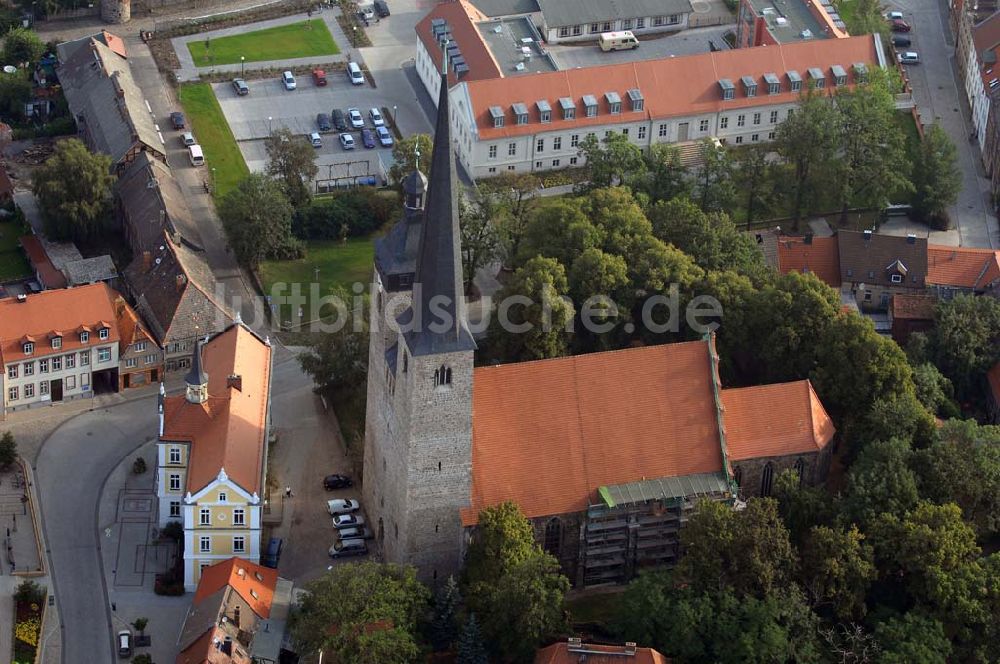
{"x":418,"y":437}
{"x":116,"y":11}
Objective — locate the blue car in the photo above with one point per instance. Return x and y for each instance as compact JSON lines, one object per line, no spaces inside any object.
{"x":384,"y":137}
{"x":367,"y":138}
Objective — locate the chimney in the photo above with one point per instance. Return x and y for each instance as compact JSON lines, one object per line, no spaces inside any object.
{"x":181,"y":280}
{"x":911,"y":238}
{"x":574,"y":643}
{"x":235,"y":380}
{"x":629,"y":648}
{"x":147,"y":261}
{"x":868,"y":236}
{"x":22,"y":297}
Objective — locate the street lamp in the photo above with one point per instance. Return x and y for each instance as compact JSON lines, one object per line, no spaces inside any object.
{"x":354,"y":36}
{"x":394,"y":115}
{"x":242,"y":60}
{"x":269,"y":125}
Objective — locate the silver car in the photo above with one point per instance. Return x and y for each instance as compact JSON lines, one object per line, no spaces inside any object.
{"x":348,"y":521}
{"x":342,"y":506}
{"x":356,"y":532}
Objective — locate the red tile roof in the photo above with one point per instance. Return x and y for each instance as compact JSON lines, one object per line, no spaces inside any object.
{"x":227,"y":432}
{"x":115,"y":43}
{"x":775,"y":420}
{"x":130,"y":327}
{"x":562,"y":653}
{"x":913,"y":307}
{"x":246,"y":578}
{"x":820,"y":257}
{"x":47,"y":272}
{"x":962,"y":267}
{"x":461,"y":17}
{"x":682,"y":86}
{"x":66,"y":311}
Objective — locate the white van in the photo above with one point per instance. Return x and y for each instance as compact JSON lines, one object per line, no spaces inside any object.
{"x":196,"y":156}
{"x":622,"y":40}
{"x":355,"y":74}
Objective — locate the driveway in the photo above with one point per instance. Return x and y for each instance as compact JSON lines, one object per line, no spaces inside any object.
{"x":939,"y":100}
{"x":70,"y":471}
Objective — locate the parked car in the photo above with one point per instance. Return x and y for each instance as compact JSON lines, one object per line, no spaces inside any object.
{"x":355,"y":74}
{"x":339,"y":122}
{"x":315,"y":140}
{"x":124,"y":643}
{"x":381,"y":8}
{"x":288,"y":80}
{"x":348,"y":547}
{"x":241,"y":87}
{"x":273,"y":553}
{"x":899,"y":40}
{"x":357,"y":120}
{"x":894,"y":16}
{"x":348,"y":521}
{"x":177,"y":120}
{"x":384,"y":137}
{"x":909,"y":58}
{"x":376,"y":117}
{"x":900,"y":25}
{"x":319,"y":77}
{"x":358,"y":532}
{"x":187,"y":138}
{"x":331,"y":482}
{"x":367,"y":138}
{"x":347,"y":141}
{"x":366,"y":13}
{"x":323,"y":122}
{"x":342,"y":506}
{"x":195,"y":155}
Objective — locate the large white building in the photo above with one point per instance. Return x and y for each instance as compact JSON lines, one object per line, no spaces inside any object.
{"x":505,"y":120}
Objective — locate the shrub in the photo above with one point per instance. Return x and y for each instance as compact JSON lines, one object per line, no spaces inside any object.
{"x":361,"y":211}
{"x":8,"y":450}
{"x":29,"y":592}
{"x":27,"y":631}
{"x":144,"y":658}
{"x":173,"y":530}
{"x":139,"y":466}
{"x":169,"y":588}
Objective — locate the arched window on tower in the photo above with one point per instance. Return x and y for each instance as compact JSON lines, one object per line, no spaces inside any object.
{"x":766,"y":479}
{"x":553,"y":537}
{"x":442,"y":376}
{"x":738,"y":476}
{"x":800,"y":469}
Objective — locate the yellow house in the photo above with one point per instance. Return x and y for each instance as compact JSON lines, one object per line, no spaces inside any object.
{"x":212,"y":452}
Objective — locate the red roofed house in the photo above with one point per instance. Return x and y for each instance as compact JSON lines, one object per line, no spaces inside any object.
{"x":212,"y":453}
{"x":605,"y":453}
{"x":574,"y":651}
{"x":238,"y":615}
{"x":810,"y":254}
{"x":910,"y":313}
{"x":953,"y":270}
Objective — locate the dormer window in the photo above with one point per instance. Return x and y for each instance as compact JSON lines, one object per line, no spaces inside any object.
{"x":29,"y":348}
{"x":442,"y":376}
{"x":614,"y":102}
{"x":104,"y":333}
{"x":817,"y":78}
{"x":520,"y":113}
{"x":568,"y":108}
{"x":635,"y":99}
{"x":773,"y":83}
{"x":57,"y":342}
{"x":749,"y":86}
{"x":496,"y":113}
{"x":728,"y":89}
{"x":839,"y":75}
{"x":794,"y":81}
{"x":84,"y":337}
{"x":860,"y":72}
{"x":896,"y":278}
{"x":544,"y":111}
{"x":590,"y":103}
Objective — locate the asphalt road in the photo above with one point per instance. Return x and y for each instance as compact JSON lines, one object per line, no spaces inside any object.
{"x":70,"y":470}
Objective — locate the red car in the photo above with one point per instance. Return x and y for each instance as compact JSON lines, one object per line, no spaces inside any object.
{"x":900,"y":26}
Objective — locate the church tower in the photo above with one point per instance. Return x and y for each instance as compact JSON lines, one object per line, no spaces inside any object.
{"x":196,"y":379}
{"x":418,"y":433}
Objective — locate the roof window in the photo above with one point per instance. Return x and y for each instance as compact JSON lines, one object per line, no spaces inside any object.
{"x":773,"y":83}
{"x":544,"y":110}
{"x":496,"y":113}
{"x":860,"y":72}
{"x":794,"y":80}
{"x":568,"y":108}
{"x":728,"y":89}
{"x":817,"y":78}
{"x":749,"y":86}
{"x":635,"y":99}
{"x":590,"y":103}
{"x":614,"y":102}
{"x":520,"y":113}
{"x":839,"y":75}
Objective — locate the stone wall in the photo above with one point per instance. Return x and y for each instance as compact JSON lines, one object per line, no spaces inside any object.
{"x":116,"y":11}
{"x":750,"y":472}
{"x":565,"y":548}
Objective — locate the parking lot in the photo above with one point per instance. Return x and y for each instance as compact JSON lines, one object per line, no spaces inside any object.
{"x":269,"y":107}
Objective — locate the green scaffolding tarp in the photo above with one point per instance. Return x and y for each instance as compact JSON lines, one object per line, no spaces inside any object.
{"x":664,"y":488}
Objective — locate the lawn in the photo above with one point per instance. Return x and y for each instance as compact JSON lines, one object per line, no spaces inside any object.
{"x":295,"y":40}
{"x":13,"y":264}
{"x":340,"y":267}
{"x":222,"y":155}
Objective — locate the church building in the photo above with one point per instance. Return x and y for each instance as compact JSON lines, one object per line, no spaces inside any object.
{"x":605,"y":453}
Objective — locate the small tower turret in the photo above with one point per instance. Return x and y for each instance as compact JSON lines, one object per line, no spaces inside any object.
{"x":197,"y":379}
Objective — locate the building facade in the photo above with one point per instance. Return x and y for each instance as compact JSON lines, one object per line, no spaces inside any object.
{"x":765,"y":23}
{"x":585,"y":20}
{"x":976,"y":47}
{"x":212,"y":451}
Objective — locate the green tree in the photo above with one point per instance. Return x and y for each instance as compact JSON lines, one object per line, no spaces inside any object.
{"x":933,"y":390}
{"x":610,"y":161}
{"x":936,"y":177}
{"x":444,"y":623}
{"x":480,"y":241}
{"x":558,"y":229}
{"x":8,"y":450}
{"x":362,"y":612}
{"x":911,"y":638}
{"x":881,"y":481}
{"x":802,"y":507}
{"x":866,"y":18}
{"x":533,"y":318}
{"x":15,"y":92}
{"x":514,"y":196}
{"x":966,"y":341}
{"x":837,"y":568}
{"x":337,"y":360}
{"x":603,"y":277}
{"x":73,"y":189}
{"x":667,"y":176}
{"x":405,"y":157}
{"x":292,"y":161}
{"x":901,"y":415}
{"x":872,"y":158}
{"x":471,"y":649}
{"x":141,"y":624}
{"x":807,"y":141}
{"x":713,"y":179}
{"x":503,"y":538}
{"x":752,"y":175}
{"x":258,"y":220}
{"x":748,"y":550}
{"x":22,"y":45}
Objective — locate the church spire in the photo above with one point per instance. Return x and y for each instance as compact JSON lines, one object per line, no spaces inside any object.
{"x":444,"y":327}
{"x":196,"y":378}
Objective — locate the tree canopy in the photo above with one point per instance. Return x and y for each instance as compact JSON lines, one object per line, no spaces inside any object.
{"x":73,"y":190}
{"x":292,"y":161}
{"x":258,"y":220}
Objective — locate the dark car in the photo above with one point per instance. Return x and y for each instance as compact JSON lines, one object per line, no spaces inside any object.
{"x":339,"y":122}
{"x":898,"y":40}
{"x":177,"y":120}
{"x":381,"y":8}
{"x":323,"y":122}
{"x":900,"y":26}
{"x":331,"y":482}
{"x":272,"y":554}
{"x":241,"y":87}
{"x":367,"y":138}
